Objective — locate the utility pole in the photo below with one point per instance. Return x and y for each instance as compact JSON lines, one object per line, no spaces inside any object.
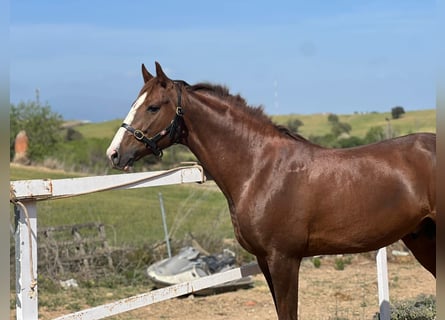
{"x":38,"y":96}
{"x":275,"y":94}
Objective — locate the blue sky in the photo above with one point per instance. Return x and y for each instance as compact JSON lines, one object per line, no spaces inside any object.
{"x":296,"y":57}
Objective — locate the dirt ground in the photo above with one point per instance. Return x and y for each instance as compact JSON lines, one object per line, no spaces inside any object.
{"x":325,"y":293}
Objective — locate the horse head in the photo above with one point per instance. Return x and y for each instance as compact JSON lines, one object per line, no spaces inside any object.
{"x":153,"y":123}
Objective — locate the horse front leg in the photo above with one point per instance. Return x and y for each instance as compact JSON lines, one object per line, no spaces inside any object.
{"x":262,"y":262}
{"x":283,"y":274}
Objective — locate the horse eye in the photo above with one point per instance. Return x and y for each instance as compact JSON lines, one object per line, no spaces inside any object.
{"x":153,"y":108}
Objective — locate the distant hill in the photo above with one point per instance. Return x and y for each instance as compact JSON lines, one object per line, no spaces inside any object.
{"x":313,"y":124}
{"x":105,"y":129}
{"x":411,"y":121}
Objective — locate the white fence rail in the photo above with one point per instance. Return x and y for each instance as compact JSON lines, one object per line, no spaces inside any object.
{"x":26,"y":194}
{"x":159,"y":295}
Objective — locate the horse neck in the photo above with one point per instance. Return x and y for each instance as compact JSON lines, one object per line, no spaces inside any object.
{"x":226,"y":140}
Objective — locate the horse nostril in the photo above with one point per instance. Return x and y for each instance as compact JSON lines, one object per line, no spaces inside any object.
{"x":114,"y":157}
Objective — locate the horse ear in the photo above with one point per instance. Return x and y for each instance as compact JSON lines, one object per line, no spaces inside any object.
{"x":145,"y":74}
{"x":160,"y":75}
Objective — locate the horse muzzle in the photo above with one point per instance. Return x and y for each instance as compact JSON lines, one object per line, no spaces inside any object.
{"x":118,"y":162}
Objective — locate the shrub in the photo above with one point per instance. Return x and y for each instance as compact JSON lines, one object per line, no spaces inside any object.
{"x":349,"y":142}
{"x":341,"y":262}
{"x":294,"y":124}
{"x":374,"y":134}
{"x":421,"y":308}
{"x":317,"y":262}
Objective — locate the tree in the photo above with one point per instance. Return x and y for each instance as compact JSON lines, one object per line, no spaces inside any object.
{"x":340,"y":127}
{"x":337,"y":127}
{"x":41,"y":125}
{"x":333,"y":118}
{"x":294,"y":124}
{"x":397,"y":112}
{"x":374,"y":134}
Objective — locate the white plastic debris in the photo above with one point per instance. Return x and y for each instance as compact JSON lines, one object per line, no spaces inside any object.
{"x":70,"y":283}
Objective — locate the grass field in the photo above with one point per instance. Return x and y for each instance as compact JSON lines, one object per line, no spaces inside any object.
{"x":412,"y":121}
{"x":105,"y":129}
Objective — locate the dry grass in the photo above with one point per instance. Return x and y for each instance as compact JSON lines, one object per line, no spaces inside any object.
{"x":325,"y":293}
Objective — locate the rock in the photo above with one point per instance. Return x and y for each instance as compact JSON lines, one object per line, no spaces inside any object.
{"x":21,"y":148}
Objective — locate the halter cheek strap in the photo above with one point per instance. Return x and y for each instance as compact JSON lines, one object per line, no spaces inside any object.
{"x":140,"y":136}
{"x":171,"y":129}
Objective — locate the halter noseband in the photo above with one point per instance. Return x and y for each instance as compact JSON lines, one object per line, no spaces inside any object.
{"x":171,"y":129}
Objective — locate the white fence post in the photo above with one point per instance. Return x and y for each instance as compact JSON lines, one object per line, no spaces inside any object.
{"x":26,"y":260}
{"x":382,"y":281}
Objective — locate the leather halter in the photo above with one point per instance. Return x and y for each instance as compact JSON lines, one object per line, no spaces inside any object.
{"x":171,"y":129}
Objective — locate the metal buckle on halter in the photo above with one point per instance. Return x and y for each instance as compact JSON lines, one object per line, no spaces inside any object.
{"x":179,"y":111}
{"x":138,"y":134}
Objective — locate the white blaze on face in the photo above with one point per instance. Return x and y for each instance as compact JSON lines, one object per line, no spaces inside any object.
{"x":115,"y":144}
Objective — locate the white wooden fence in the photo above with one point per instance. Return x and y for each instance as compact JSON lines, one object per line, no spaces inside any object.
{"x":25,"y":195}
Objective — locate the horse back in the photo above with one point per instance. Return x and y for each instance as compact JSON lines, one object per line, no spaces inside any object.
{"x":413,"y":155}
{"x":420,"y":148}
{"x":416,"y":148}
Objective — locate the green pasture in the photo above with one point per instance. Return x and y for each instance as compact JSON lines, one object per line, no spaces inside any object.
{"x":133,"y":217}
{"x":410,"y":122}
{"x":105,"y":129}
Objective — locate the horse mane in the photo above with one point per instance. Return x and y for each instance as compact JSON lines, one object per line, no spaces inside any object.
{"x":240,"y":102}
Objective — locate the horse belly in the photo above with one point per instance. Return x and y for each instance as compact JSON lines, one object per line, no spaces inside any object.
{"x":363,"y":217}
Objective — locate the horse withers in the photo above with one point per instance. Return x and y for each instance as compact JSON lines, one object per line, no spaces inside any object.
{"x":288,"y":198}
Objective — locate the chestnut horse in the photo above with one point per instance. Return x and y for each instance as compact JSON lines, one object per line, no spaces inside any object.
{"x":288,"y":198}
